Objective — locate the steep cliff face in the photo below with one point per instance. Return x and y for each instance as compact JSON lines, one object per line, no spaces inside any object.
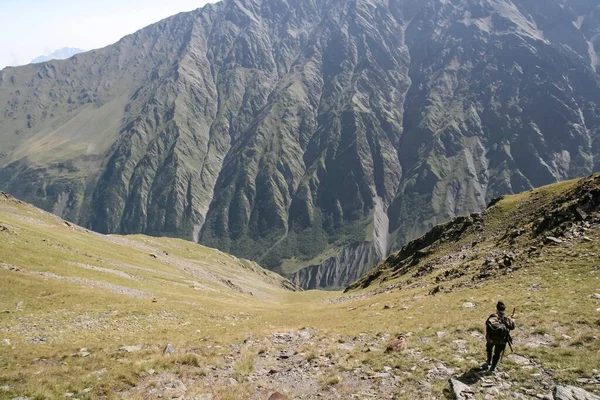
{"x":319,"y":134}
{"x":504,"y":99}
{"x":348,"y":266}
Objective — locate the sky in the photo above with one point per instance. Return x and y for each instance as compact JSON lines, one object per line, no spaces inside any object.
{"x":32,"y":28}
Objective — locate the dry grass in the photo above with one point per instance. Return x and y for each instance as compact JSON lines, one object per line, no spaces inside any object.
{"x":330,"y":378}
{"x":245,"y":365}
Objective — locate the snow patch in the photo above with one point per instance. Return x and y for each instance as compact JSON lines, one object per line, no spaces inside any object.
{"x":579,"y":21}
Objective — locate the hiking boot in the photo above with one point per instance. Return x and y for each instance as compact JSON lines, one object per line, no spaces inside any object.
{"x":485,"y":366}
{"x":493,"y":370}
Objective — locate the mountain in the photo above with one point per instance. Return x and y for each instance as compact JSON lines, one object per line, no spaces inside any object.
{"x":60,"y":54}
{"x":314,"y":137}
{"x":93,"y":316}
{"x":514,"y":232}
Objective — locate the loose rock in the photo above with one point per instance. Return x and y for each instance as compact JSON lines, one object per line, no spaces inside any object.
{"x":573,"y":393}
{"x":460,"y":390}
{"x":381,"y":375}
{"x":518,"y":359}
{"x":175,"y":389}
{"x":346,"y":346}
{"x":169,"y":349}
{"x":132,"y":349}
{"x":232,"y":381}
{"x":277,"y":396}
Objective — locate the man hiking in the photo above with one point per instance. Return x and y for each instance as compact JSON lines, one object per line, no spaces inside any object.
{"x":497,"y":334}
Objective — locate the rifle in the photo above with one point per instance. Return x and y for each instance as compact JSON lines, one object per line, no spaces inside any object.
{"x":509,"y":341}
{"x":509,"y":337}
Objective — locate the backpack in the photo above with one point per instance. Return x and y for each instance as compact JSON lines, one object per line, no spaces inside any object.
{"x":496,"y":330}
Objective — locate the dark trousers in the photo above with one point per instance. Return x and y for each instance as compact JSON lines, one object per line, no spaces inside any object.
{"x":497,"y":349}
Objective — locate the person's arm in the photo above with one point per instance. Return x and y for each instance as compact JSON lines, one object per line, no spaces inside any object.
{"x":510,"y":324}
{"x":485,"y":325}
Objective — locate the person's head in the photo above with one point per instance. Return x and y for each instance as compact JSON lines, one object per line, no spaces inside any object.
{"x":500,"y":307}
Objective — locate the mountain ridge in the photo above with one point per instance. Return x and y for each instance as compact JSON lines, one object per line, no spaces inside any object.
{"x":59,"y":54}
{"x":320,"y":135}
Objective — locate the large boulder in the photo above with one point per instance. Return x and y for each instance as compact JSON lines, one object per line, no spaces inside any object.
{"x":573,"y":393}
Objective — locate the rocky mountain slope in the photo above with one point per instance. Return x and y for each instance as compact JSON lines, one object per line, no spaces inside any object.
{"x":512,"y":233}
{"x":91,"y":316}
{"x":314,"y":137}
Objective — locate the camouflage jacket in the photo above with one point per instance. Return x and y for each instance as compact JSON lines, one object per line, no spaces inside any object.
{"x":508,"y":321}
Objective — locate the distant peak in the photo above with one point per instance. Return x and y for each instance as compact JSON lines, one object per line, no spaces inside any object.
{"x":60,"y":54}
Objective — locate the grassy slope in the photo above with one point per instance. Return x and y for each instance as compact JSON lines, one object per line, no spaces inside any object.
{"x":185,"y":279}
{"x":553,"y":288}
{"x":557,"y":317}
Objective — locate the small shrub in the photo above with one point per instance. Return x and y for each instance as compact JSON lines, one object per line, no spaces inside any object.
{"x":540,"y":330}
{"x":190,"y":359}
{"x":329,"y":379}
{"x":244,"y":366}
